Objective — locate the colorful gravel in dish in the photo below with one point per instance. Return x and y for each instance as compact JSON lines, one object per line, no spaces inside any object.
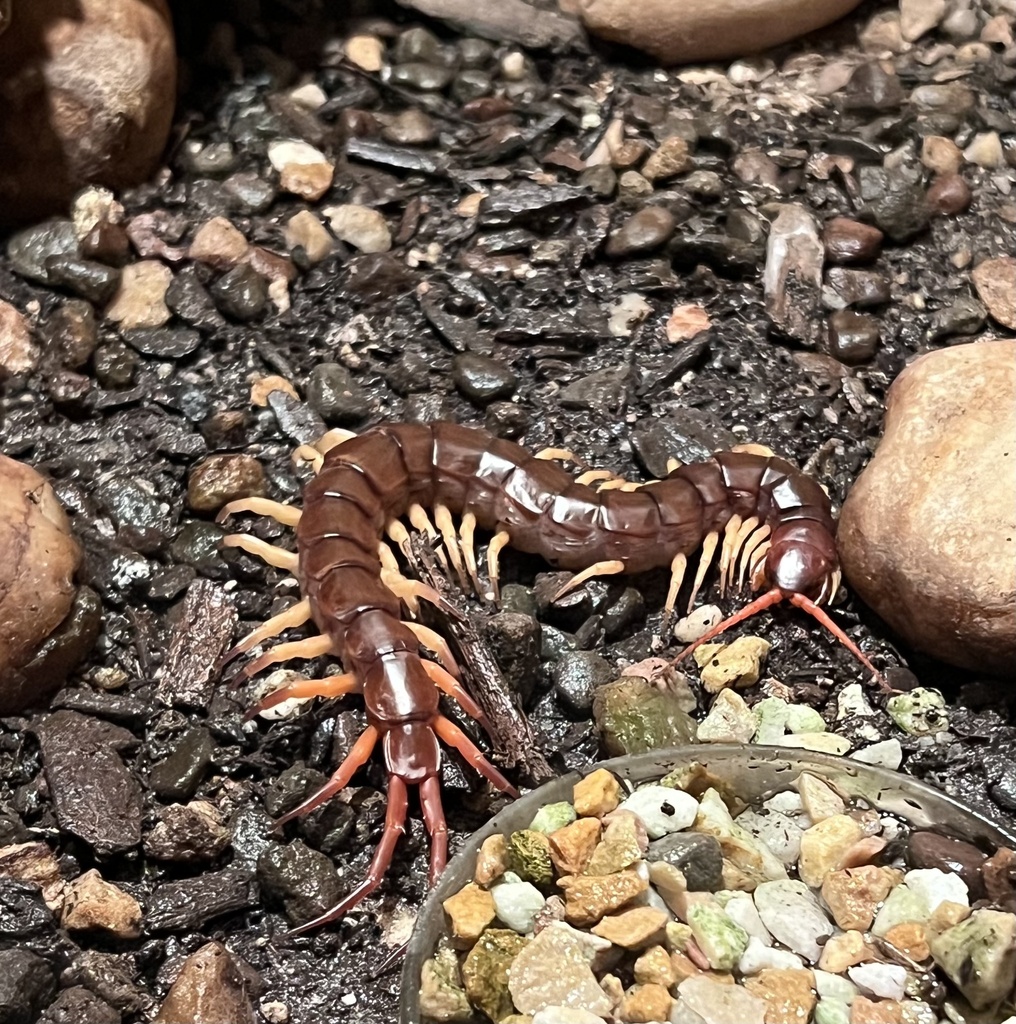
{"x":676,"y":903}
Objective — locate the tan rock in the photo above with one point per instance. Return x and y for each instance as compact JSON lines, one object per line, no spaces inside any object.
{"x":687,"y":321}
{"x":924,"y":529}
{"x":622,"y":844}
{"x":671,"y":158}
{"x":219,"y":243}
{"x":93,"y":904}
{"x":633,"y":929}
{"x":588,"y":898}
{"x":362,"y":227}
{"x":35,"y":863}
{"x":941,"y":155}
{"x":737,"y":664}
{"x":823,"y":845}
{"x":910,"y":939}
{"x":596,"y":794}
{"x":699,"y":30}
{"x":655,"y":967}
{"x":366,"y":51}
{"x":643,"y":1004}
{"x":843,"y":951}
{"x":140,"y":301}
{"x":788,"y":994}
{"x":18,"y":352}
{"x":108,"y":66}
{"x":470,"y":911}
{"x":995,"y":281}
{"x":303,"y":170}
{"x":305,"y":231}
{"x":209,"y":987}
{"x":38,"y":559}
{"x":262,"y":387}
{"x":854,"y":894}
{"x":875,"y":1011}
{"x":572,"y":846}
{"x":492,"y":860}
{"x":820,"y":800}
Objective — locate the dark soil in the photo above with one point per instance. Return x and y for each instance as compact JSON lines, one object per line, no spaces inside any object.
{"x":528,"y":287}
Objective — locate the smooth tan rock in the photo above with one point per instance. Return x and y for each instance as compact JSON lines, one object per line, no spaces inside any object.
{"x":87,"y":91}
{"x":699,"y":30}
{"x":927,"y":536}
{"x":208,"y":990}
{"x":38,"y":559}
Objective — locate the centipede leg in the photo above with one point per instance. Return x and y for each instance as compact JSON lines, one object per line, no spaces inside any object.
{"x":748,"y":553}
{"x":437,"y":643}
{"x":592,"y":475}
{"x":356,"y":758}
{"x":329,"y":686}
{"x":708,"y":550}
{"x":434,"y":820}
{"x":500,"y":540}
{"x":312,"y":647}
{"x":444,"y":523}
{"x":673,"y":465}
{"x":555,"y":454}
{"x":395,"y":826}
{"x":727,"y":549}
{"x":394,"y":580}
{"x":421,"y":521}
{"x":467,"y":532}
{"x":332,"y":439}
{"x":609,"y":568}
{"x":450,"y":686}
{"x":412,"y":590}
{"x":289,"y":619}
{"x":767,"y":600}
{"x":455,"y":737}
{"x":278,"y":557}
{"x":400,"y":536}
{"x":285,"y":514}
{"x":307,"y":454}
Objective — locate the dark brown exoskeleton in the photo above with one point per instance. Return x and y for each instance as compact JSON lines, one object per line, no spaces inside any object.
{"x":772,"y":524}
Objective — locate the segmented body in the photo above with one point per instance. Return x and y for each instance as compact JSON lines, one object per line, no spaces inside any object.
{"x":367,"y":482}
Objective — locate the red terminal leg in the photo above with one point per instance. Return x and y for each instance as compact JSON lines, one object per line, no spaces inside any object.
{"x":819,"y":613}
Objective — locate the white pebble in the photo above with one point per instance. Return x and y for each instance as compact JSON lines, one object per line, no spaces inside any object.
{"x":758,"y":957}
{"x":697,"y":623}
{"x":936,"y":886}
{"x":779,"y":832}
{"x":884,"y":981}
{"x":292,"y":151}
{"x":887,"y":754}
{"x":742,"y":911}
{"x":663,"y":810}
{"x":517,"y":904}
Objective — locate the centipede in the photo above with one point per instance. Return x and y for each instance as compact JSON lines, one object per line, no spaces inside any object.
{"x":764,"y":524}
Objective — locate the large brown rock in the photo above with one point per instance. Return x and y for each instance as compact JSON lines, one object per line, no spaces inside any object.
{"x":38,"y":559}
{"x":679,"y":31}
{"x":927,"y":536}
{"x":86,"y":96}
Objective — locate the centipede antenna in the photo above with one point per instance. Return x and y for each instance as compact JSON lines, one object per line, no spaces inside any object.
{"x":395,"y":825}
{"x":355,"y":759}
{"x":278,"y":557}
{"x":806,"y":604}
{"x":285,"y":514}
{"x":767,"y":600}
{"x":609,"y":568}
{"x":500,"y":540}
{"x":289,"y":619}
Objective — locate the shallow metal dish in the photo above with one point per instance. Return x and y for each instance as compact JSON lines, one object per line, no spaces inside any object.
{"x":754,"y":772}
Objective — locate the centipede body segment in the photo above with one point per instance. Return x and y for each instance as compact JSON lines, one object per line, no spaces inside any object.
{"x":771,"y":524}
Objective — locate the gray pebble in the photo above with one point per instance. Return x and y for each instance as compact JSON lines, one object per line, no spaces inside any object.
{"x":853,"y":337}
{"x":241,"y":293}
{"x":425,"y":77}
{"x":29,"y":249}
{"x":93,"y":281}
{"x":576,"y":676}
{"x":115,"y":365}
{"x":698,"y":857}
{"x":164,"y":342}
{"x":482,"y":379}
{"x":335,"y":395}
{"x":643,"y":231}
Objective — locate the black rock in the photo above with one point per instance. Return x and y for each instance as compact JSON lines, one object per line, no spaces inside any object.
{"x":303,"y":880}
{"x":514,"y":641}
{"x":115,"y":365}
{"x":482,"y":379}
{"x":334,"y":393}
{"x":576,"y":676}
{"x":189,"y":299}
{"x":79,"y":1006}
{"x":164,"y":342}
{"x":93,"y":281}
{"x":177,"y":776}
{"x":27,"y":984}
{"x":191,"y":902}
{"x":29,"y":249}
{"x":698,"y":857}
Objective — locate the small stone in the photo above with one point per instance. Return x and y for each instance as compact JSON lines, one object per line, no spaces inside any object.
{"x":304,"y":231}
{"x":697,"y":623}
{"x":361,"y":227}
{"x":483,"y":379}
{"x":885,"y":754}
{"x":979,"y":956}
{"x":823,"y":845}
{"x":920,"y":16}
{"x":629,"y":311}
{"x":596,"y":794}
{"x":140,"y":301}
{"x":737,"y":664}
{"x":442,"y":997}
{"x":686,"y":322}
{"x":643,"y":1004}
{"x":758,"y":957}
{"x":820,"y":800}
{"x":948,"y":195}
{"x":643,"y":231}
{"x":634,"y":716}
{"x":793,"y":273}
{"x":746,"y":861}
{"x":552,"y":817}
{"x":492,"y":860}
{"x":219,"y":243}
{"x":18,"y":352}
{"x":882,"y":1011}
{"x":787,"y":993}
{"x":559,"y":1015}
{"x":985,"y":151}
{"x":622,"y":844}
{"x":241,"y":293}
{"x":699,"y":858}
{"x":720,"y":939}
{"x":911,"y":939}
{"x":517,"y":904}
{"x":850,"y":241}
{"x":411,"y":127}
{"x":529,"y":856}
{"x":919,"y":712}
{"x":843,"y":951}
{"x":335,"y":395}
{"x":224,"y":478}
{"x":995,"y":281}
{"x":853,"y":337}
{"x":93,"y":904}
{"x":941,"y":155}
{"x":931,"y":850}
{"x":654,"y":967}
{"x":92,"y":281}
{"x":935,"y":887}
{"x":303,"y":170}
{"x":633,"y":929}
{"x":589,"y":898}
{"x":485,"y":971}
{"x":470,"y":912}
{"x":209,"y":987}
{"x":661,"y":809}
{"x":365,"y":51}
{"x":671,"y":158}
{"x":730,"y":720}
{"x":717,"y":1003}
{"x":30,"y":248}
{"x":853,"y":895}
{"x":850,"y":287}
{"x":792,"y":914}
{"x":572,"y":847}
